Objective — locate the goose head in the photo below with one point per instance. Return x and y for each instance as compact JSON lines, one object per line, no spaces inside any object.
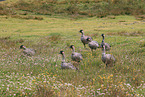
{"x":61,"y":52}
{"x":72,"y":46}
{"x":22,"y":47}
{"x":103,"y":35}
{"x":103,"y":53}
{"x":81,"y":31}
{"x":88,"y":39}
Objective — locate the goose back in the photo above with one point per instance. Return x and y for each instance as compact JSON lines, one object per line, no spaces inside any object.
{"x":28,"y":51}
{"x":107,"y":46}
{"x":107,"y":58}
{"x":65,"y":65}
{"x":75,"y":55}
{"x":92,"y":44}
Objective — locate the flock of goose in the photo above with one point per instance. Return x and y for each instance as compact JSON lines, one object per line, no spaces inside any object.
{"x":108,"y":59}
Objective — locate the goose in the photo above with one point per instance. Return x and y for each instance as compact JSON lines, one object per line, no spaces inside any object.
{"x":107,"y":46}
{"x":75,"y":56}
{"x":92,"y":44}
{"x":28,"y":51}
{"x":107,"y":58}
{"x":83,"y":38}
{"x":65,"y":65}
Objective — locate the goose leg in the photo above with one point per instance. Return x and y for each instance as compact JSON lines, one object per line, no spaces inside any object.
{"x":84,"y":45}
{"x":92,"y":51}
{"x":77,"y":69}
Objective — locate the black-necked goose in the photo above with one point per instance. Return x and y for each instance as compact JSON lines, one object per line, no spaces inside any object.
{"x":75,"y":56}
{"x":93,"y":44}
{"x":28,"y":51}
{"x":107,"y":58}
{"x":84,"y":38}
{"x":65,"y":65}
{"x":107,"y":46}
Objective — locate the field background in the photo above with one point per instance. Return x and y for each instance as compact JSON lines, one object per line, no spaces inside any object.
{"x":49,"y":26}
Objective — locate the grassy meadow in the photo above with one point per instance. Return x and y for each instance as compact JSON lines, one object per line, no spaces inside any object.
{"x":41,"y":76}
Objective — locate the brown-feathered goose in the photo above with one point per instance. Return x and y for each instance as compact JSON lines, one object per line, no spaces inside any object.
{"x":84,"y":38}
{"x":107,"y":58}
{"x":65,"y":65}
{"x":107,"y":46}
{"x":75,"y":56}
{"x":27,"y":51}
{"x":92,"y":44}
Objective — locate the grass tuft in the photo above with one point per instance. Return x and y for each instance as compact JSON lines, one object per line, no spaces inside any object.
{"x":45,"y":91}
{"x":27,"y":17}
{"x":142,"y":43}
{"x":125,"y":33}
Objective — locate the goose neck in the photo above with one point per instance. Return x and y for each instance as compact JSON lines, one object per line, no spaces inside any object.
{"x":82,"y":33}
{"x":103,"y":53}
{"x":103,"y":37}
{"x":24,"y":48}
{"x":73,"y":49}
{"x":103,"y":40}
{"x":63,"y":58}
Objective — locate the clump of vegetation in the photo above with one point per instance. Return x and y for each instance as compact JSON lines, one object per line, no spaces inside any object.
{"x":7,"y":43}
{"x":140,"y":17}
{"x":5,"y":38}
{"x":5,"y":10}
{"x":125,"y":33}
{"x":142,"y":43}
{"x":79,"y":8}
{"x":45,"y":91}
{"x":27,"y":17}
{"x":55,"y":36}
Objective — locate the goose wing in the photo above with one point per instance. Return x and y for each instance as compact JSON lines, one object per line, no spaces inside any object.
{"x":76,"y":56}
{"x":67,"y":66}
{"x":84,"y":39}
{"x":110,"y":58}
{"x":93,"y":44}
{"x":29,"y":51}
{"x":96,"y":43}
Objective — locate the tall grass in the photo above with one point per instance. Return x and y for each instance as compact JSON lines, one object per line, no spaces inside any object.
{"x":40,"y":75}
{"x":77,"y":8}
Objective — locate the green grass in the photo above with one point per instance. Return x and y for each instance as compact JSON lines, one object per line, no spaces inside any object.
{"x":40,"y":75}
